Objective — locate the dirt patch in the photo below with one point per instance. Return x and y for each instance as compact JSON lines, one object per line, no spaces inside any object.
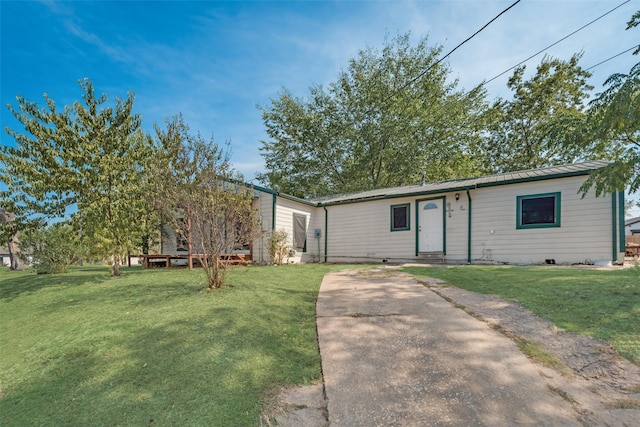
{"x":297,"y":407}
{"x":603,"y":387}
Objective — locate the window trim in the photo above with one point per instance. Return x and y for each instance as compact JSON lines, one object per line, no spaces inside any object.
{"x":556,"y":211}
{"x":407,"y":206}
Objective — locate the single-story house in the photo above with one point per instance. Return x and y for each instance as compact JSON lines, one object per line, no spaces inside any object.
{"x":632,"y":226}
{"x":527,"y":217}
{"x":5,"y":258}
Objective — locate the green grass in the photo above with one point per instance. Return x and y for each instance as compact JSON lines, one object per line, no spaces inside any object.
{"x":604,"y":304}
{"x":152,"y":346}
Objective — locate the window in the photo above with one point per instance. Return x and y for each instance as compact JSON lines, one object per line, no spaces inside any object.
{"x":400,"y":217}
{"x":182,"y":236}
{"x":538,"y":211}
{"x":300,"y":232}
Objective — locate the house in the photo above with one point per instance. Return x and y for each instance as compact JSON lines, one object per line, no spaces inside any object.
{"x":527,"y":217}
{"x":632,"y":226}
{"x":5,"y":258}
{"x":632,"y":235}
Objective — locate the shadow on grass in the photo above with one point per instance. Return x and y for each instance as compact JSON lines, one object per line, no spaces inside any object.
{"x":210,"y":366}
{"x":16,"y":283}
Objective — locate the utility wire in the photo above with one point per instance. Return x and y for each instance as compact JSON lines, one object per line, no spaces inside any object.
{"x":413,"y":80}
{"x":614,"y":56}
{"x":553,"y":44}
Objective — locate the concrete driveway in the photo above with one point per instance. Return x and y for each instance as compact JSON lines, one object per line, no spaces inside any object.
{"x":396,"y":354}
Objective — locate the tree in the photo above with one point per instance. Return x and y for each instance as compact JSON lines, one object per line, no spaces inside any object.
{"x":203,"y":198}
{"x":89,"y":156}
{"x":9,"y":236}
{"x":53,"y":248}
{"x":389,"y":117}
{"x":615,"y":121}
{"x":537,"y":128}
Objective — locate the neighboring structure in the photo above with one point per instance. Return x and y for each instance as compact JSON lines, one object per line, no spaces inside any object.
{"x":5,"y":258}
{"x":527,"y":217}
{"x":632,"y":226}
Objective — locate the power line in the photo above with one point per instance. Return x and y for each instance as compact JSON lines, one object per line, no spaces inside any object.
{"x":553,"y":44}
{"x":614,"y":56}
{"x":413,"y":80}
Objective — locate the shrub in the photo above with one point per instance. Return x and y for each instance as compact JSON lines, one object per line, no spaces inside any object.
{"x":278,"y":246}
{"x":52,"y":249}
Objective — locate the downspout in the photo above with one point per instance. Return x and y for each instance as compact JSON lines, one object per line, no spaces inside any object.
{"x":326,"y":231}
{"x":614,"y":231}
{"x":469,"y":229}
{"x":273,"y":212}
{"x":623,"y":243}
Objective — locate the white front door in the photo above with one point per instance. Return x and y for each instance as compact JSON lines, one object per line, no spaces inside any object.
{"x":431,"y":226}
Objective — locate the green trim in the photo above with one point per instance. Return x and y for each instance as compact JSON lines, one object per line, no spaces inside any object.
{"x":273,"y":212}
{"x":623,"y":243}
{"x":444,"y":222}
{"x":469,"y":229}
{"x":408,"y":226}
{"x":458,"y":188}
{"x":614,"y":231}
{"x":326,"y":231}
{"x":417,"y":228}
{"x":556,"y":213}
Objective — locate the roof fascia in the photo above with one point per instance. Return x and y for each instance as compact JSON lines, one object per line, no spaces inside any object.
{"x":462,"y":187}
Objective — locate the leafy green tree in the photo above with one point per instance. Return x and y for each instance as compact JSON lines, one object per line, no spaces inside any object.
{"x":538,"y":127}
{"x":615,"y":121}
{"x":202,"y":197}
{"x":9,"y":237}
{"x":88,"y":155}
{"x":52,"y":249}
{"x":389,"y":117}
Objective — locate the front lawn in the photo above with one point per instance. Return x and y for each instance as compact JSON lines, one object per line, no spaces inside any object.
{"x":604,"y":304}
{"x":152,"y":347}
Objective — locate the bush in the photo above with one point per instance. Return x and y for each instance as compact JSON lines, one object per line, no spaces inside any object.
{"x":51,"y":250}
{"x":278,"y":246}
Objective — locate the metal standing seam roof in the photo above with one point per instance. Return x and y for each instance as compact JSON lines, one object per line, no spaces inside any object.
{"x":468,"y":183}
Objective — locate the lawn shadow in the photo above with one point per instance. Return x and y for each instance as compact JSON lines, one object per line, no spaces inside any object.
{"x":210,"y":366}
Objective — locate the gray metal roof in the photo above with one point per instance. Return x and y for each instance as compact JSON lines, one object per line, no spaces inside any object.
{"x":631,"y":221}
{"x":467,"y":183}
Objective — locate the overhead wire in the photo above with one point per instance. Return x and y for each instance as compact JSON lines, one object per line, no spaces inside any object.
{"x":413,"y":80}
{"x":613,"y":57}
{"x":555,"y":43}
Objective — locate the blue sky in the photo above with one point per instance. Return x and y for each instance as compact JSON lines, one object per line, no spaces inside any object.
{"x":215,"y":61}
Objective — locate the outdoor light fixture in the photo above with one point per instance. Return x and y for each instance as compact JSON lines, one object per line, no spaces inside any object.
{"x":457,"y":196}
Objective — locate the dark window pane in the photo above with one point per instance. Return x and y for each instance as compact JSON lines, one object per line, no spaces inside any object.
{"x":400,"y":217}
{"x":539,"y":210}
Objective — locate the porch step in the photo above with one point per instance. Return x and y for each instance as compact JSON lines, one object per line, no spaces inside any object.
{"x":432,"y":257}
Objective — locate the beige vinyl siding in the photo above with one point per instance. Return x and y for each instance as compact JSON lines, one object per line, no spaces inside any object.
{"x":260,"y":248}
{"x":169,"y":241}
{"x":285,"y":209}
{"x":362,"y":232}
{"x":584,"y":233}
{"x":457,"y":222}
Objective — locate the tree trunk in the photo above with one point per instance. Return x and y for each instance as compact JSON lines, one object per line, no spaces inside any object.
{"x":14,"y":258}
{"x":116,"y":265}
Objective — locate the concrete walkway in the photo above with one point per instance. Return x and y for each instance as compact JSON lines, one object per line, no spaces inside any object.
{"x":396,"y":354}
